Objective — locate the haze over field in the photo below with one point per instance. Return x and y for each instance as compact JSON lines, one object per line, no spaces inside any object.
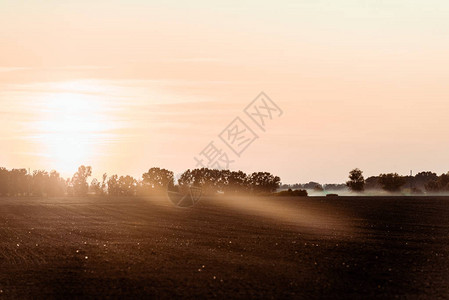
{"x":126,"y":85}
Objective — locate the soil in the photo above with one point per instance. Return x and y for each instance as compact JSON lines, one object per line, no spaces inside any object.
{"x":299,"y":247}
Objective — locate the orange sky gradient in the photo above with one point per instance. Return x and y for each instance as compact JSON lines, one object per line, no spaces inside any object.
{"x":127,"y":85}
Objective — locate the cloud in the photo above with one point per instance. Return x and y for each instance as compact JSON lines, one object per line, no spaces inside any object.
{"x":200,"y":59}
{"x":12,"y":69}
{"x":81,"y":67}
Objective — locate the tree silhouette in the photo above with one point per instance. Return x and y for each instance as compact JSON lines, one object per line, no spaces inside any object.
{"x":113,"y":186}
{"x":372,"y":183}
{"x":423,"y":178}
{"x":99,"y":188}
{"x":18,"y":182}
{"x":293,"y":193}
{"x":236,"y":182}
{"x":212,"y":181}
{"x":335,"y":187}
{"x":205,"y":178}
{"x":391,"y":182}
{"x":264,"y":182}
{"x":439,"y":184}
{"x":104,"y":184}
{"x":40,"y":183}
{"x":4,"y":181}
{"x":95,"y":187}
{"x":127,"y":185}
{"x":56,"y":185}
{"x":312,"y":185}
{"x":187,"y":179}
{"x":157,"y":179}
{"x":121,"y":186}
{"x":79,"y":180}
{"x":356,"y":180}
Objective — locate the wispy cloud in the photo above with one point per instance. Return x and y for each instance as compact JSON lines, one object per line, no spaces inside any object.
{"x":81,"y":67}
{"x":200,"y":59}
{"x":12,"y":69}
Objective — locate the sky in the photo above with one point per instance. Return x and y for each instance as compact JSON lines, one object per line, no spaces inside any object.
{"x":124,"y":86}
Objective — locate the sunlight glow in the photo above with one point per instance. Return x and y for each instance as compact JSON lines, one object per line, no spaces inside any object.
{"x":69,"y":128}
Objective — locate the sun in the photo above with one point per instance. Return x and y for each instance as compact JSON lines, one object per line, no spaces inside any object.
{"x":70,"y":128}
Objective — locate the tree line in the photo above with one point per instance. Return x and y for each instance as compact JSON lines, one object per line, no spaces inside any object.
{"x":20,"y":182}
{"x":393,"y":182}
{"x":316,"y":186}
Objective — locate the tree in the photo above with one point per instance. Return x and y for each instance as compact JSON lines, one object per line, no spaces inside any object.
{"x":212,"y":181}
{"x":423,"y":178}
{"x":439,"y":184}
{"x":95,"y":187}
{"x":79,"y":180}
{"x":209,"y":180}
{"x":311,"y":185}
{"x":69,"y":187}
{"x":157,"y":179}
{"x":19,"y":182}
{"x":391,"y":182}
{"x":56,"y":185}
{"x":104,"y":184}
{"x":4,"y":181}
{"x":264,"y":182}
{"x":372,"y":183}
{"x":318,"y":188}
{"x":235,"y":182}
{"x":293,"y":193}
{"x":357,"y":181}
{"x":40,"y":183}
{"x":127,"y":185}
{"x":121,"y":186}
{"x":335,"y":187}
{"x":113,"y":186}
